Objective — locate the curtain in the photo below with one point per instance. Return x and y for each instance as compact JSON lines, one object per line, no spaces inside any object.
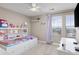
{"x":49,"y":28}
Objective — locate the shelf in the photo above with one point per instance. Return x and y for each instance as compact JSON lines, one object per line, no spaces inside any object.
{"x":13,"y":28}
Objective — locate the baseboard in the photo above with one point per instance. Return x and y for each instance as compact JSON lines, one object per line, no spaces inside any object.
{"x":55,"y":43}
{"x":42,"y":41}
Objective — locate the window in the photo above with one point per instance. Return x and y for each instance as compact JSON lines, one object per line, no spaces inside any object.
{"x":57,"y":23}
{"x":70,"y":29}
{"x":70,"y":21}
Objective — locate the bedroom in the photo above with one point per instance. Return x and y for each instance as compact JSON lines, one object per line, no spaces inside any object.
{"x":36,"y":28}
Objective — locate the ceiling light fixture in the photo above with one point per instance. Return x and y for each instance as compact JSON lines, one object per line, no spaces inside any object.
{"x":34,"y":7}
{"x":52,"y":9}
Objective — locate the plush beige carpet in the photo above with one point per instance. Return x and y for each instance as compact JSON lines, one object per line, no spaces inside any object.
{"x":42,"y":49}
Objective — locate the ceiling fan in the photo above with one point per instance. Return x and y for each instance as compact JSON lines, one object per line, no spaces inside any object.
{"x":34,"y":7}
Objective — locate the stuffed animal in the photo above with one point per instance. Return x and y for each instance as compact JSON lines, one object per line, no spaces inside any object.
{"x":19,"y":37}
{"x":3,"y":23}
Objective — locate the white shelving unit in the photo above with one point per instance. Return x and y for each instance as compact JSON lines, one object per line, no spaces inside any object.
{"x":19,"y":48}
{"x":13,"y":32}
{"x":13,"y":29}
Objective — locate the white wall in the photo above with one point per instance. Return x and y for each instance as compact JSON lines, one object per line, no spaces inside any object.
{"x":14,"y":17}
{"x":39,"y":28}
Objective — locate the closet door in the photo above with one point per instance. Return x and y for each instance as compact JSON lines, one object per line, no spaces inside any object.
{"x":56,"y":28}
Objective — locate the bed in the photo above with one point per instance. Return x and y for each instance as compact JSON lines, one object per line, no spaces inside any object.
{"x":16,"y":47}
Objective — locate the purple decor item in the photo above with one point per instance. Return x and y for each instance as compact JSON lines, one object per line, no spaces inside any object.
{"x":29,"y":37}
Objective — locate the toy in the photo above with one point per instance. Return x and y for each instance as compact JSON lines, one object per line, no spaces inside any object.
{"x":29,"y":37}
{"x":12,"y":25}
{"x":5,"y":37}
{"x":19,"y":37}
{"x":3,"y":23}
{"x":2,"y":32}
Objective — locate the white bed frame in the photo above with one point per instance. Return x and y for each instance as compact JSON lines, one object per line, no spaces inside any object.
{"x":19,"y":48}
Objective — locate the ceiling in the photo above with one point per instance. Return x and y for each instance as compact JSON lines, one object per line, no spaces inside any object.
{"x":23,"y":8}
